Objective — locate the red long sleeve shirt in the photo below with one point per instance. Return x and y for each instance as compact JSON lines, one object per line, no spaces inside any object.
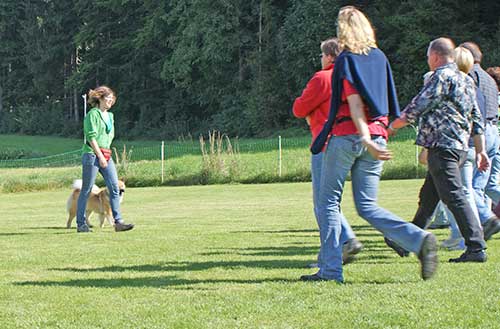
{"x":315,"y":100}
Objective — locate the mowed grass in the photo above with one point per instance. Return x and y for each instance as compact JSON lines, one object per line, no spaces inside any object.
{"x":225,"y":256}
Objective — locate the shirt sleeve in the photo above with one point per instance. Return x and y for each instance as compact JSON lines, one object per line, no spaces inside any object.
{"x":348,"y":89}
{"x":477,"y":119}
{"x":316,"y":93}
{"x":90,"y":125}
{"x":421,"y":103}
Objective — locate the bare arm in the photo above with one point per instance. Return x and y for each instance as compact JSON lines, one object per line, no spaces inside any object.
{"x":356,"y":107}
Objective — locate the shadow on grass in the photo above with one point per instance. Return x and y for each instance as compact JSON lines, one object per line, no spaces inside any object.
{"x":13,"y":234}
{"x":266,"y":251}
{"x":192,"y":266}
{"x":48,"y":228}
{"x":156,"y":282}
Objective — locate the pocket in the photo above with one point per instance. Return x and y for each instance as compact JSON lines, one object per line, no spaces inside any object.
{"x":88,"y":159}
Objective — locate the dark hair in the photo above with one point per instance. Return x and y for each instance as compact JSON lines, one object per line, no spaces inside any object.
{"x":495,"y":74}
{"x":474,"y":49}
{"x":331,"y":47}
{"x":99,"y":93}
{"x":444,"y":47}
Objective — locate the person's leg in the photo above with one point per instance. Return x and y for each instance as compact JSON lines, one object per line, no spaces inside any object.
{"x":456,"y":241}
{"x":492,"y":187}
{"x":439,"y":217}
{"x":427,"y":201}
{"x":365,"y":175}
{"x":444,"y":167}
{"x":337,"y":163}
{"x":111,"y":178}
{"x":316,"y":162}
{"x":480,"y":178}
{"x":89,"y":171}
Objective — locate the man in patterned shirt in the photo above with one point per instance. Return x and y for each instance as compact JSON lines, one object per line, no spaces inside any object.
{"x":447,"y":113}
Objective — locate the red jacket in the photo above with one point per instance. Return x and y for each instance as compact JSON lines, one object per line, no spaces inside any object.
{"x":315,"y":100}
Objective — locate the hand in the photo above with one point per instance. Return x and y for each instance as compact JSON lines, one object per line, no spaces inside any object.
{"x":391,"y":131}
{"x":377,"y":152}
{"x":102,"y":162}
{"x":482,"y":161}
{"x":308,"y":120}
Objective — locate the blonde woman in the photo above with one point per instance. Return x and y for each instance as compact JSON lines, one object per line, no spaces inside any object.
{"x":363,"y":97}
{"x":99,"y":131}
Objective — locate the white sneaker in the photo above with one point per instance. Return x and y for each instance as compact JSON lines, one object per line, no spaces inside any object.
{"x":453,"y":244}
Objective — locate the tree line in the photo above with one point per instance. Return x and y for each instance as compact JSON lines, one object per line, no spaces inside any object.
{"x":183,"y":67}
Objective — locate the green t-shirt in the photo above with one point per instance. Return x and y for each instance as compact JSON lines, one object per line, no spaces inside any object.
{"x":96,"y":128}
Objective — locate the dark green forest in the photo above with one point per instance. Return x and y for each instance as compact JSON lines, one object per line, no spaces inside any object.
{"x":183,"y":67}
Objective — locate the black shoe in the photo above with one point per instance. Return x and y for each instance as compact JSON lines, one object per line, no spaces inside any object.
{"x":491,"y":227}
{"x":83,"y":229}
{"x":399,"y":250}
{"x":470,"y":256}
{"x":350,"y":249}
{"x":428,"y":256}
{"x":315,"y":277}
{"x":121,"y":227}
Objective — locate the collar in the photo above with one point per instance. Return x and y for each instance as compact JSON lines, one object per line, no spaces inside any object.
{"x":451,"y":65}
{"x":329,"y":67}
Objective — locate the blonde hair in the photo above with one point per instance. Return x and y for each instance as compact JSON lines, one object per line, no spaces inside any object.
{"x":464,"y":59}
{"x":99,"y":93}
{"x":355,"y":31}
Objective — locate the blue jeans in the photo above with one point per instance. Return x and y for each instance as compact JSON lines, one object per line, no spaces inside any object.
{"x":90,"y":167}
{"x":346,"y":154}
{"x":480,"y":179}
{"x":316,"y":163}
{"x":492,"y":187}
{"x":466,"y":171}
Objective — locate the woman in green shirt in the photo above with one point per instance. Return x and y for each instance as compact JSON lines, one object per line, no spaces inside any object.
{"x":99,"y":131}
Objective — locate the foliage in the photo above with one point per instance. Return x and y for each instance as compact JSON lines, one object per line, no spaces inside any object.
{"x":184,"y":67}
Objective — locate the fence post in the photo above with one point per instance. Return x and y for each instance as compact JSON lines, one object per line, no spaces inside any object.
{"x":280,"y":155}
{"x":162,"y":160}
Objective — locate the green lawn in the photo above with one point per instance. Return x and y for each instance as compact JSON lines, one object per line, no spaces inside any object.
{"x":225,"y":256}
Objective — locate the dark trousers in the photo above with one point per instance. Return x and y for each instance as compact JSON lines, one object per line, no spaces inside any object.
{"x":444,"y":182}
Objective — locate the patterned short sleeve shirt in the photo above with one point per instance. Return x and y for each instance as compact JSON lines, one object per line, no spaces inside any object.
{"x":446,"y":110}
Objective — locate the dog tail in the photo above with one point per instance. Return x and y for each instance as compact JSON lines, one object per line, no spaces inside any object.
{"x":77,"y":185}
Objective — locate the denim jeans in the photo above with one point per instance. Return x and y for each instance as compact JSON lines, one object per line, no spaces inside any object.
{"x":444,"y":182}
{"x":480,"y":178}
{"x":492,"y":187}
{"x":466,"y":172}
{"x":316,"y":163}
{"x":346,"y":154}
{"x":90,"y":167}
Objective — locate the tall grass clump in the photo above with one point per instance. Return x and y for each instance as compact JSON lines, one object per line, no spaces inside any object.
{"x":220,"y":160}
{"x":122,"y":161}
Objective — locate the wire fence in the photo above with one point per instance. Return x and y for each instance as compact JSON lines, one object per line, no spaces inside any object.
{"x":136,"y":152}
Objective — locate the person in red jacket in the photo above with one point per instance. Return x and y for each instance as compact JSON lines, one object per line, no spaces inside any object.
{"x":314,"y":106}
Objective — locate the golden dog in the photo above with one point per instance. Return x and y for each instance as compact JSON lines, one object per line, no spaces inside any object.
{"x":98,"y":202}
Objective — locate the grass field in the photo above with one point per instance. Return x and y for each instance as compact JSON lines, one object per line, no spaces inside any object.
{"x":225,"y":256}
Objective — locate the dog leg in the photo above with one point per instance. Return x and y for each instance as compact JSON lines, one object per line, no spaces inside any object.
{"x":101,"y":220}
{"x":70,"y":219}
{"x":87,"y":217}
